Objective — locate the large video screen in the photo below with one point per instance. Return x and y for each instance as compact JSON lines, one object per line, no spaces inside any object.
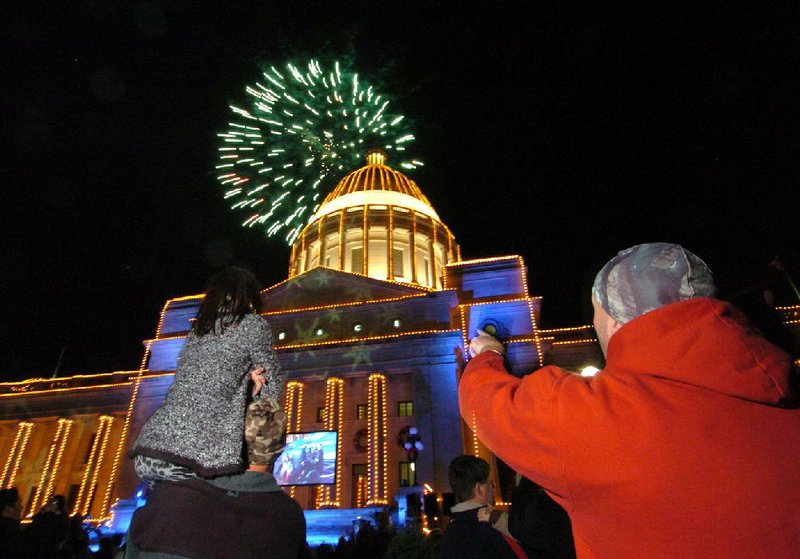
{"x":308,"y":459}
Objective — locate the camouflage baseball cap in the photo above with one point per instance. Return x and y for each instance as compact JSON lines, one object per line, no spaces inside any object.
{"x":264,"y":431}
{"x":645,"y":277}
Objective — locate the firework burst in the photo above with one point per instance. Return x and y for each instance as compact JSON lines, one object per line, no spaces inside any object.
{"x":303,"y":129}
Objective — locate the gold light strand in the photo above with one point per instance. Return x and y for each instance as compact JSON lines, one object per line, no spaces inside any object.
{"x":341,"y":240}
{"x":17,"y":436}
{"x":299,"y":415}
{"x":474,"y":426}
{"x":414,"y":247}
{"x":524,"y":275}
{"x":364,"y":339}
{"x":62,"y":445}
{"x":292,"y":263}
{"x":536,"y":338}
{"x":568,"y":329}
{"x":378,"y":462}
{"x":575,"y":342}
{"x":15,"y":457}
{"x":404,"y":283}
{"x":96,"y":472}
{"x":334,"y":421}
{"x":370,"y":437}
{"x":321,"y":239}
{"x":124,"y":435}
{"x":167,"y":305}
{"x":464,"y":326}
{"x":45,"y":470}
{"x":436,"y":269}
{"x":485,"y":260}
{"x":449,"y":248}
{"x":288,"y":405}
{"x":342,"y":305}
{"x":364,"y":240}
{"x":359,"y":481}
{"x":92,"y":453}
{"x":390,"y":245}
{"x":514,"y":300}
{"x":70,"y":389}
{"x":294,"y":392}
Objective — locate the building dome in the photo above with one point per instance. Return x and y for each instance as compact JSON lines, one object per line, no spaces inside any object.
{"x":376,"y":175}
{"x":377,"y":222}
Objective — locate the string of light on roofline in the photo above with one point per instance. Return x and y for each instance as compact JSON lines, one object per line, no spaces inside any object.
{"x":343,"y":340}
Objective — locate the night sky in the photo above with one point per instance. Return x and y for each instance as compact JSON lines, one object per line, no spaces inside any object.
{"x":558,"y":133}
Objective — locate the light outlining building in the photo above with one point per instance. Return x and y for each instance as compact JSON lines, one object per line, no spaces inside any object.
{"x":372,"y":326}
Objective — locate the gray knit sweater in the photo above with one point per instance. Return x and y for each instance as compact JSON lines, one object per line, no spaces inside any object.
{"x":200,"y":424}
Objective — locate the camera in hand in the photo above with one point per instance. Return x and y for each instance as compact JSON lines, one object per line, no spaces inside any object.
{"x":496,"y":329}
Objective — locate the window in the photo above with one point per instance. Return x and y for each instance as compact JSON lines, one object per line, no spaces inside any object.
{"x":29,"y":503}
{"x":359,"y":497}
{"x":89,"y":448}
{"x":397,"y":323}
{"x":320,"y":415}
{"x":397,"y":263}
{"x":361,"y":411}
{"x":282,"y":335}
{"x":357,"y":260}
{"x":73,"y":496}
{"x":313,"y":259}
{"x":319,"y":332}
{"x":405,"y":409}
{"x":358,"y":327}
{"x":407,"y":474}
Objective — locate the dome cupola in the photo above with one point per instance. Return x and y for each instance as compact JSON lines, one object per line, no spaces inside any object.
{"x":377,"y":222}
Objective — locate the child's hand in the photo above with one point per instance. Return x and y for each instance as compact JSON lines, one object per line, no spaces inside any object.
{"x":257,"y":376}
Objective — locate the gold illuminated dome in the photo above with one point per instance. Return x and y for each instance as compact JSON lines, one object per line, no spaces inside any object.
{"x":377,"y":223}
{"x":376,"y":176}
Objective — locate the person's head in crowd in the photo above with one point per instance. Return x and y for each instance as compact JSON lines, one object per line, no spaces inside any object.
{"x":643,"y":278}
{"x":231,"y":294}
{"x":10,"y":503}
{"x":469,"y":479}
{"x":56,"y":504}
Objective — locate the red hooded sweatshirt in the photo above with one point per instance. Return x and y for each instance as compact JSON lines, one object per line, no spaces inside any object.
{"x":686,"y":445}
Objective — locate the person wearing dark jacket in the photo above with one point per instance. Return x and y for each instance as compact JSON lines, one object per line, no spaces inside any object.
{"x":11,"y":542}
{"x":243,"y":515}
{"x":470,"y":534}
{"x":539,"y":524}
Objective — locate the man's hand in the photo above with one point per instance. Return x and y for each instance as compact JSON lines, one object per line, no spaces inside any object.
{"x":484,"y":342}
{"x":257,"y":376}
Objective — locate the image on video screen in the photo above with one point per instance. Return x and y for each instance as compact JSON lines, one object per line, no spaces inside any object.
{"x":308,"y":459}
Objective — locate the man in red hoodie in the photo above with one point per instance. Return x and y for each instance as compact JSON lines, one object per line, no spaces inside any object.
{"x":687,"y":443}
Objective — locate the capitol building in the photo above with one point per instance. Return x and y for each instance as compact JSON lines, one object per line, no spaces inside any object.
{"x":371,"y":324}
